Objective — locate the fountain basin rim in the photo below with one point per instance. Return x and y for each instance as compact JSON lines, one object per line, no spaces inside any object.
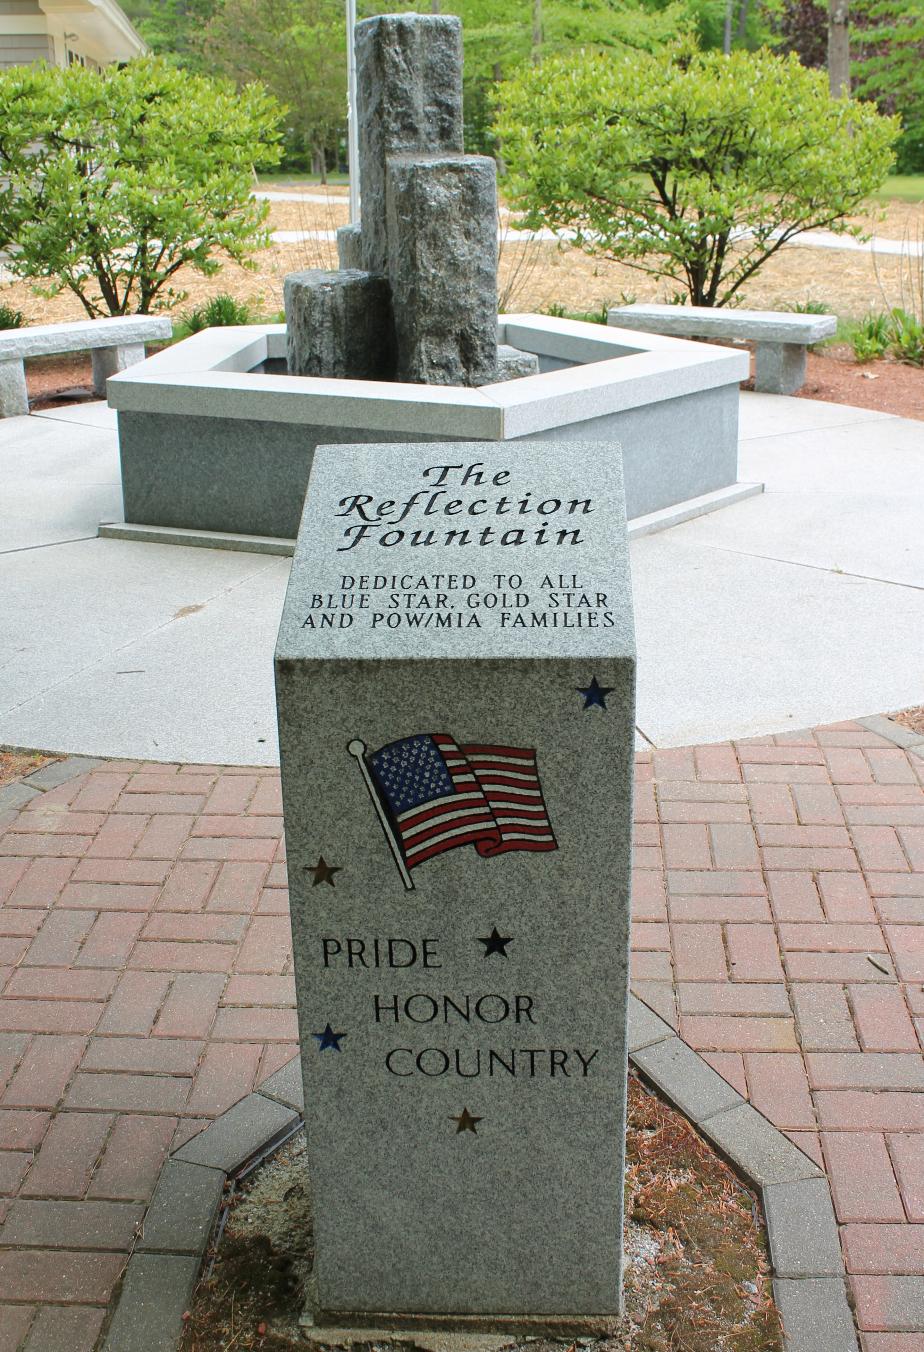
{"x":605,"y":370}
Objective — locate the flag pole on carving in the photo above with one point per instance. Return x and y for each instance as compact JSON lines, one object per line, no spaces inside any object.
{"x":358,"y":749}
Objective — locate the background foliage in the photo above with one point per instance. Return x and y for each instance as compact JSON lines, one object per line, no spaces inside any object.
{"x":298,"y":50}
{"x":111,"y":182}
{"x":692,"y":166}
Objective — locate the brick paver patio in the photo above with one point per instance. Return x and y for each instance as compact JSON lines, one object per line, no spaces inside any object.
{"x":146,"y":986}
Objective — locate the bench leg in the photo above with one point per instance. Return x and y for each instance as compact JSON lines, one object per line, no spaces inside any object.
{"x":780,"y":368}
{"x":109,"y":361}
{"x":14,"y":400}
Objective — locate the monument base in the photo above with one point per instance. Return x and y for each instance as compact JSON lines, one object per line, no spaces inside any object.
{"x":446,"y":1333}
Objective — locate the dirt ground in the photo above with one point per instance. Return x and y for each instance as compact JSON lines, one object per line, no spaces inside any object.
{"x":911,"y":718}
{"x":15,"y":763}
{"x":697,"y":1272}
{"x":537,"y":276}
{"x":887,"y":386}
{"x":534,"y":276}
{"x":833,"y":377}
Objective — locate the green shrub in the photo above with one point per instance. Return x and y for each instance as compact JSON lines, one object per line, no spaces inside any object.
{"x":907,"y":334}
{"x":871,"y":339}
{"x":598,"y":316}
{"x":898,"y":332}
{"x":10,"y":318}
{"x":112,"y":181}
{"x":219,"y":312}
{"x":690,"y":166}
{"x":808,"y":307}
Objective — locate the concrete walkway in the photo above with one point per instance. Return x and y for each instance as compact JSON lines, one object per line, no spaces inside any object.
{"x":146,"y":985}
{"x":815,"y":239}
{"x":801,"y":606}
{"x":812,"y":239}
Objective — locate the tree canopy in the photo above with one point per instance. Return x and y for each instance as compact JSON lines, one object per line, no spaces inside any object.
{"x":890,"y":69}
{"x":692,"y":166}
{"x":112,"y":181}
{"x":299,"y":49}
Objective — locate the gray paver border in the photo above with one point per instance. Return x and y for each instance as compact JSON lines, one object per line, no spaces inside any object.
{"x":49,"y":776}
{"x":895,"y":732}
{"x":801,"y":1227}
{"x":147,"y":1314}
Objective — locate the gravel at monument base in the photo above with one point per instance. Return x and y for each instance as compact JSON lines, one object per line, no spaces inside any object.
{"x":697,"y":1272}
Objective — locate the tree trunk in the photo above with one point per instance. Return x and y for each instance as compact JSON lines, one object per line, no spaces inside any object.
{"x":743,"y":20}
{"x":727,"y":34}
{"x":537,"y":32}
{"x":435,"y":7}
{"x":838,"y":49}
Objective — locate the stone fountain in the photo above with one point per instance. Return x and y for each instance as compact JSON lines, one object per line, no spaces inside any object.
{"x":404,"y":343}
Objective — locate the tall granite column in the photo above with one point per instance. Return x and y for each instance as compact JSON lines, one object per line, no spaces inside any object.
{"x":428,"y":237}
{"x":409,"y":95}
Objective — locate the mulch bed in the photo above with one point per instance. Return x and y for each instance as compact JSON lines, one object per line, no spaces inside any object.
{"x":537,"y":275}
{"x":850,"y":282}
{"x":59,"y":380}
{"x":697,"y":1271}
{"x":913,"y":718}
{"x":887,"y":386}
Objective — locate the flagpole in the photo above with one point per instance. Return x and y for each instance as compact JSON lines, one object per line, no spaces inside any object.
{"x":352,"y":125}
{"x":357,"y":749}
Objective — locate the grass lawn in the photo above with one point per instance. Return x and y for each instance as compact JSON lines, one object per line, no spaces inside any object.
{"x":898,"y":187}
{"x":903,"y":187}
{"x":281,"y":179}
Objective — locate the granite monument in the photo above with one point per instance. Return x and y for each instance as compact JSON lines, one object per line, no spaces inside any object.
{"x":455,"y":683}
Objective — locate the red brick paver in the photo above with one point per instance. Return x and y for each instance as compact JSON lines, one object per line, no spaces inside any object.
{"x":146,"y":985}
{"x":819,"y":1015}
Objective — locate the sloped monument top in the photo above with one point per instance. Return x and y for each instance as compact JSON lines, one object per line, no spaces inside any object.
{"x":468,"y":549}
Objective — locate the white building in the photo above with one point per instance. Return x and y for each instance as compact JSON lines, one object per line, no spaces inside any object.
{"x":92,"y":33}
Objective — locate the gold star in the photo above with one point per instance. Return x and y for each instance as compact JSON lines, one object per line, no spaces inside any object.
{"x":465,"y":1122}
{"x":323,"y":872}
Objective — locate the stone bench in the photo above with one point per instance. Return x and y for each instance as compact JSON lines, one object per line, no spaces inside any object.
{"x":113,"y":343}
{"x":781,"y":338}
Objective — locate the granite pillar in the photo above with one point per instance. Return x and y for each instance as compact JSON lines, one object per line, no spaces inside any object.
{"x":14,"y":396}
{"x":442,"y":264}
{"x":350,"y":246}
{"x":512,"y":363}
{"x":455,"y":682}
{"x":109,"y":361}
{"x":779,"y":368}
{"x":339,"y":324}
{"x":409,"y":94}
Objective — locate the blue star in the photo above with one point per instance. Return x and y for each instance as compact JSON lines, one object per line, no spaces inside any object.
{"x":329,"y":1040}
{"x":594,"y":694}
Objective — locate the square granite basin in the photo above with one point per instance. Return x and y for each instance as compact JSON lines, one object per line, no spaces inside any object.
{"x":211,"y":443}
